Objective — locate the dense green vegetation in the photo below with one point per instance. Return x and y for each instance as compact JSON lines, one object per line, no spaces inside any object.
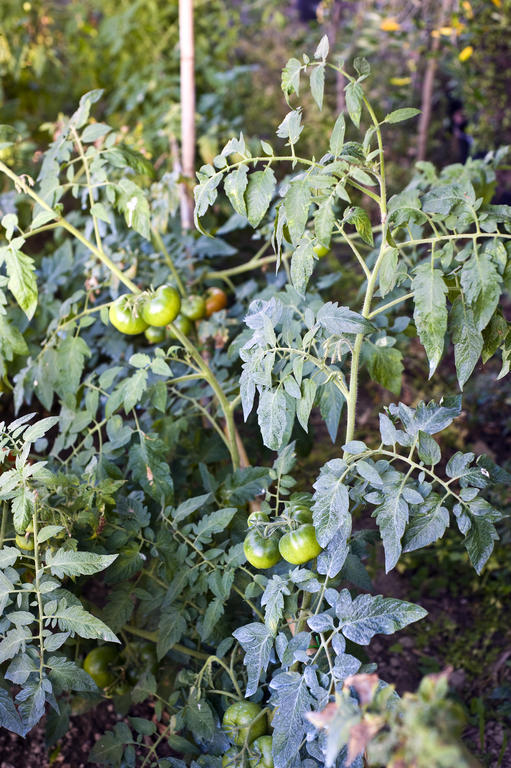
{"x":231,"y":457}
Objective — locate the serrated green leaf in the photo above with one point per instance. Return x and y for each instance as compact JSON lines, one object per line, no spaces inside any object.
{"x":296,"y":206}
{"x":235,"y":185}
{"x":317,"y":83}
{"x":354,"y":96}
{"x":401,"y":114}
{"x":302,"y":266}
{"x":331,"y":503}
{"x":257,"y":642}
{"x":337,"y":136}
{"x":430,"y":313}
{"x":22,"y":281}
{"x":69,"y":563}
{"x":261,"y":186}
{"x":467,"y":339}
{"x":362,"y":223}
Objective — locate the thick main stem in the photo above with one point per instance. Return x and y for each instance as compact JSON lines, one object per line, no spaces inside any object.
{"x":217,"y":389}
{"x":371,"y":285}
{"x":40,"y":618}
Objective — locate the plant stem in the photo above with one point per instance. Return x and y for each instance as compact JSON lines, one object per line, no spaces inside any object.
{"x":371,"y":284}
{"x":224,"y":403}
{"x":99,"y":253}
{"x":160,"y":245}
{"x":40,"y":618}
{"x":153,"y":637}
{"x":3,"y":525}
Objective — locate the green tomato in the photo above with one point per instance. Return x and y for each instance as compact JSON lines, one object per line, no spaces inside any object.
{"x":154,"y":335}
{"x":98,"y":664}
{"x":257,"y":517}
{"x":262,"y":757}
{"x":300,"y":546}
{"x":24,"y":542}
{"x":320,"y":250}
{"x":124,"y":316}
{"x":162,"y":306}
{"x":299,"y":507}
{"x":260,"y":551}
{"x":238,"y":722}
{"x":193,"y":307}
{"x":183,"y":324}
{"x":147,"y":657}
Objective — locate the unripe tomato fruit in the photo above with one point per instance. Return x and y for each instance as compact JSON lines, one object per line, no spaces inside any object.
{"x":147,"y":657}
{"x":237,"y":722}
{"x":193,"y":307}
{"x":97,"y":664}
{"x":320,"y":250}
{"x":124,"y":316}
{"x":154,"y":335}
{"x":183,"y":324}
{"x":262,"y":757}
{"x":299,"y":507}
{"x":22,"y":542}
{"x":260,"y":551}
{"x":217,"y":300}
{"x":162,"y":306}
{"x":257,"y":517}
{"x":300,"y":546}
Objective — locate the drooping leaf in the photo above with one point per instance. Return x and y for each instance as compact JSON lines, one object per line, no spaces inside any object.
{"x":331,"y":503}
{"x":261,"y":185}
{"x":257,"y":642}
{"x":430,"y":312}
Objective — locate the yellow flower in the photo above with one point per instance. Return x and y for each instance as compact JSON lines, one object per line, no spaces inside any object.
{"x":497,"y":3}
{"x":390,"y":25}
{"x":446,"y":31}
{"x":400,"y":80}
{"x":466,"y":53}
{"x":468,"y":9}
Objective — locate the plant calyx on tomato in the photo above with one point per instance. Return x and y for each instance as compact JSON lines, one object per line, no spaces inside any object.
{"x":257,"y":517}
{"x":300,"y":546}
{"x":124,"y":315}
{"x":238,"y":722}
{"x":161,"y":307}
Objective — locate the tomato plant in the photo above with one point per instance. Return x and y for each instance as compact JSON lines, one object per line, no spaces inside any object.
{"x":167,"y":467}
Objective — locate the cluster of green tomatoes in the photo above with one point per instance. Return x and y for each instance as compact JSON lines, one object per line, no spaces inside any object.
{"x":151,"y":312}
{"x":265,"y":545}
{"x":246,"y":725}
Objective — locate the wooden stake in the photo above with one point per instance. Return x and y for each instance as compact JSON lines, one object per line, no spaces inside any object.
{"x":187,"y":52}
